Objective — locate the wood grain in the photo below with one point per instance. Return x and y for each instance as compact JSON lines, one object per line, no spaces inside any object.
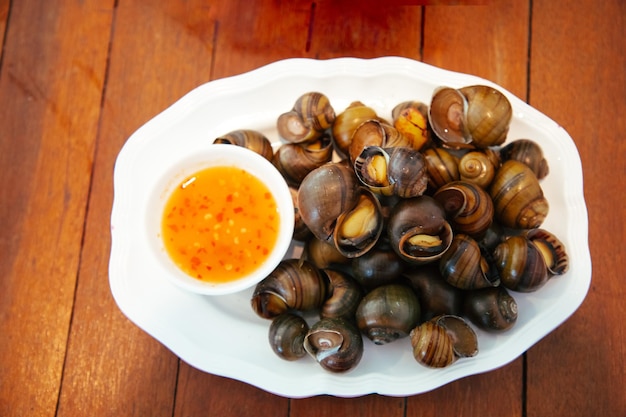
{"x":78,"y":78}
{"x":113,"y":368}
{"x":578,"y":78}
{"x":50,"y":93}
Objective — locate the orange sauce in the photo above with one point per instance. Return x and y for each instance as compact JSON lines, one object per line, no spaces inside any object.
{"x":220,"y":224}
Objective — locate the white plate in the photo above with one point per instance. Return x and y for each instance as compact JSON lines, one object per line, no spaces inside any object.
{"x":222,"y":335}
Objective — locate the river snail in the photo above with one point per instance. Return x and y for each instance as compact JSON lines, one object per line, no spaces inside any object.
{"x":397,"y":171}
{"x":469,"y":208}
{"x":476,"y":116}
{"x":478,"y":168}
{"x":375,"y":132}
{"x":492,"y":309}
{"x":418,"y":230}
{"x":388,"y":313}
{"x":468,"y":266}
{"x":295,"y":284}
{"x":286,"y":336}
{"x":411,"y":119}
{"x":347,"y":122}
{"x":526,"y":262}
{"x":311,"y":115}
{"x":295,"y":160}
{"x":529,"y":152}
{"x":249,"y":139}
{"x":517,"y":196}
{"x":344,"y":296}
{"x":335,"y":343}
{"x":439,"y":342}
{"x":442,"y":167}
{"x":435,"y":295}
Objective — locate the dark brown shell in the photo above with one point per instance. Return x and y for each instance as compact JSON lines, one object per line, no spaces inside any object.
{"x":249,"y":139}
{"x":375,"y":132}
{"x":465,"y":265}
{"x":418,"y":231}
{"x":520,"y":264}
{"x":357,"y":230}
{"x":296,"y":160}
{"x":435,"y":295}
{"x":335,"y":343}
{"x":388,"y":313}
{"x":492,"y":309}
{"x":517,"y":196}
{"x":468,"y":207}
{"x":346,"y":123}
{"x":530,"y":153}
{"x":324,"y":195}
{"x":311,"y":115}
{"x":286,"y":336}
{"x":295,"y":284}
{"x":397,"y":171}
{"x":344,"y":296}
{"x":442,"y":167}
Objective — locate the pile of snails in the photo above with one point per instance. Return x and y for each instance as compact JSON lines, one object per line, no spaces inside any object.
{"x":419,"y":227}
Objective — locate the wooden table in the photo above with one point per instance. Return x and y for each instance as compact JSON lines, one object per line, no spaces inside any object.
{"x":77,"y":78}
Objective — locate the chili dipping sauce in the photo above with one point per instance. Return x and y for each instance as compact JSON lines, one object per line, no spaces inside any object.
{"x":220,"y":224}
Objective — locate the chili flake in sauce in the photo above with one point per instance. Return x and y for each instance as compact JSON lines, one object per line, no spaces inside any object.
{"x":220,"y":224}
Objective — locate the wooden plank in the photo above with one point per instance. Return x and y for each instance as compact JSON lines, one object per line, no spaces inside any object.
{"x":491,"y":42}
{"x":245,"y":42}
{"x":364,"y":29}
{"x":578,"y":79}
{"x":159,"y":51}
{"x":50,"y":91}
{"x":4,"y":14}
{"x":328,"y":406}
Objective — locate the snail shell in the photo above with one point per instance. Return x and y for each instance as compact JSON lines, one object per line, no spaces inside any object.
{"x":447,"y":117}
{"x":517,"y":197}
{"x":323,"y":254}
{"x":442,"y":167}
{"x":357,"y":230}
{"x":375,"y":132}
{"x":335,"y":343}
{"x":465,"y":265}
{"x":345,"y":294}
{"x":411,"y":119}
{"x":397,"y":171}
{"x":488,"y":115}
{"x":310,"y":116}
{"x":435,"y":295}
{"x":250,"y":139}
{"x":521,"y":264}
{"x":388,"y":313}
{"x":286,"y":336}
{"x":346,"y":123}
{"x":530,"y":153}
{"x":474,"y":116}
{"x":478,"y":168}
{"x":300,"y":231}
{"x":295,"y":284}
{"x":379,"y":266}
{"x":468,"y":206}
{"x":440,"y":341}
{"x":325,"y":194}
{"x":418,"y":231}
{"x":295,"y":160}
{"x":553,"y":250}
{"x":492,"y":309}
